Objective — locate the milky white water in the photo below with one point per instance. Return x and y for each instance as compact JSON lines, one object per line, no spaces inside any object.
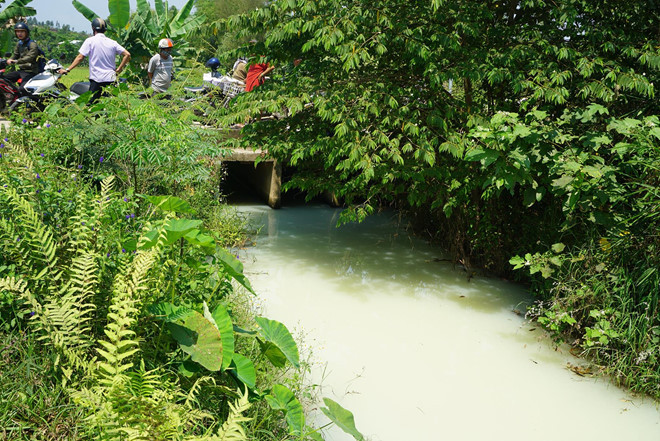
{"x":416,"y":351}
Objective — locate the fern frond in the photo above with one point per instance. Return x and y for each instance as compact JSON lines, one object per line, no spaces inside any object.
{"x":120,"y":345}
{"x":58,"y":323}
{"x":81,"y":224}
{"x":37,"y":246}
{"x":107,"y":186}
{"x":231,"y":429}
{"x":194,"y":390}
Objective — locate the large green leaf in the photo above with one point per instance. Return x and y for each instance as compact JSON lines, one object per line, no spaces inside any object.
{"x":226,"y":328}
{"x":84,"y":10}
{"x":17,"y":8}
{"x":199,"y":338}
{"x":161,"y":12}
{"x":187,"y":26}
{"x":342,"y":418}
{"x":120,"y":13}
{"x":183,"y":14}
{"x":280,"y":338}
{"x":232,"y":266}
{"x":169,"y":312}
{"x":243,"y":369}
{"x":143,"y":7}
{"x":281,"y":398}
{"x":170,"y":203}
{"x":177,"y":228}
{"x":197,"y":238}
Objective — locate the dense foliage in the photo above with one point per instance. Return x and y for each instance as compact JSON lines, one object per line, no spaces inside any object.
{"x":141,"y":313}
{"x":58,"y":42}
{"x":213,"y":39}
{"x":514,"y":128}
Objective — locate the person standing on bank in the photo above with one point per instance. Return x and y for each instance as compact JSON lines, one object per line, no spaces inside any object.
{"x":161,"y":66}
{"x":102,"y":52}
{"x":25,"y":56}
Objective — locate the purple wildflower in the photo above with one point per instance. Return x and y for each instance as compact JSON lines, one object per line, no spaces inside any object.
{"x":125,"y":200}
{"x":42,"y":155}
{"x":123,"y":250}
{"x":101,"y":159}
{"x":79,"y":167}
{"x":47,"y":125}
{"x":24,"y":120}
{"x":107,"y":255}
{"x":38,"y":177}
{"x":132,"y":215}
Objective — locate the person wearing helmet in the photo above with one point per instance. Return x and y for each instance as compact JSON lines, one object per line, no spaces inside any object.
{"x":25,"y":56}
{"x":102,"y":52}
{"x":214,"y":65}
{"x":161,"y":66}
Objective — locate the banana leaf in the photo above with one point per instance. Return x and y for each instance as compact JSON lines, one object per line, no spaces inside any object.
{"x":120,"y":13}
{"x":84,"y":10}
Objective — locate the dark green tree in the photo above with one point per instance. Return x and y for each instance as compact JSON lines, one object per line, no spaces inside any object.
{"x":511,"y":127}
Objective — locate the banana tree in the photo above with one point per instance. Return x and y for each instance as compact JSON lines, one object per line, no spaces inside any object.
{"x":15,"y":9}
{"x":140,"y":32}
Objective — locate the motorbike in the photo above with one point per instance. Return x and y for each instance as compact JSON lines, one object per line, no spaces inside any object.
{"x":33,"y":92}
{"x":221,"y":88}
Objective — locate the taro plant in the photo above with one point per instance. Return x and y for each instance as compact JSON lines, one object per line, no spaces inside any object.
{"x":86,"y":284}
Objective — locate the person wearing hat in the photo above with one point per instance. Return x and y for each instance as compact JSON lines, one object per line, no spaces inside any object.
{"x":160,"y":67}
{"x":102,"y":52}
{"x":25,"y":56}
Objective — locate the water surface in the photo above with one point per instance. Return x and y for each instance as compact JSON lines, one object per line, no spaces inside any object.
{"x":414,"y":349}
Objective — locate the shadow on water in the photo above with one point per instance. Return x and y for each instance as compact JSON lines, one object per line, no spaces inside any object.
{"x":380,"y":251}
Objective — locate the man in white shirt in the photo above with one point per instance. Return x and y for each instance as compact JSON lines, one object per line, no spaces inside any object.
{"x":161,"y":66}
{"x":102,"y":52}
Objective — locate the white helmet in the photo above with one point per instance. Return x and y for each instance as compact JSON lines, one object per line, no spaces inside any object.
{"x":165,"y":43}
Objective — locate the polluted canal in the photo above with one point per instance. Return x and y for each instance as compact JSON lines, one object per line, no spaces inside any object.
{"x":417,"y":352}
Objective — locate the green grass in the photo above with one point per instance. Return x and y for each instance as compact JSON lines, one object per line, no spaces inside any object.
{"x":80,"y":73}
{"x":33,"y":402}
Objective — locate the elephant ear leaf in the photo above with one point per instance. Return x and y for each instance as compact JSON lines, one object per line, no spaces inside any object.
{"x":226,"y":328}
{"x":243,"y":369}
{"x":233,"y":267}
{"x":278,"y":344}
{"x":342,"y":418}
{"x":199,"y":338}
{"x":281,"y":398}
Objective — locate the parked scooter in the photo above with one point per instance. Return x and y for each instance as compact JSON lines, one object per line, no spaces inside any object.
{"x":34,"y":92}
{"x":221,"y":88}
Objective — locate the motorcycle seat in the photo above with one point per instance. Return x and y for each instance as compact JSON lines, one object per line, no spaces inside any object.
{"x":80,"y":87}
{"x":194,"y":89}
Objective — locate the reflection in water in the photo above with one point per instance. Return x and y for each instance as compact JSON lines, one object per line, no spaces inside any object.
{"x":415,"y":350}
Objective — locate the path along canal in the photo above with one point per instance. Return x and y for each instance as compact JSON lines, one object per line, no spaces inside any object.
{"x":416,"y":351}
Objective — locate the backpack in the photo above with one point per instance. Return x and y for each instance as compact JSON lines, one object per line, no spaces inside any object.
{"x":41,"y":58}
